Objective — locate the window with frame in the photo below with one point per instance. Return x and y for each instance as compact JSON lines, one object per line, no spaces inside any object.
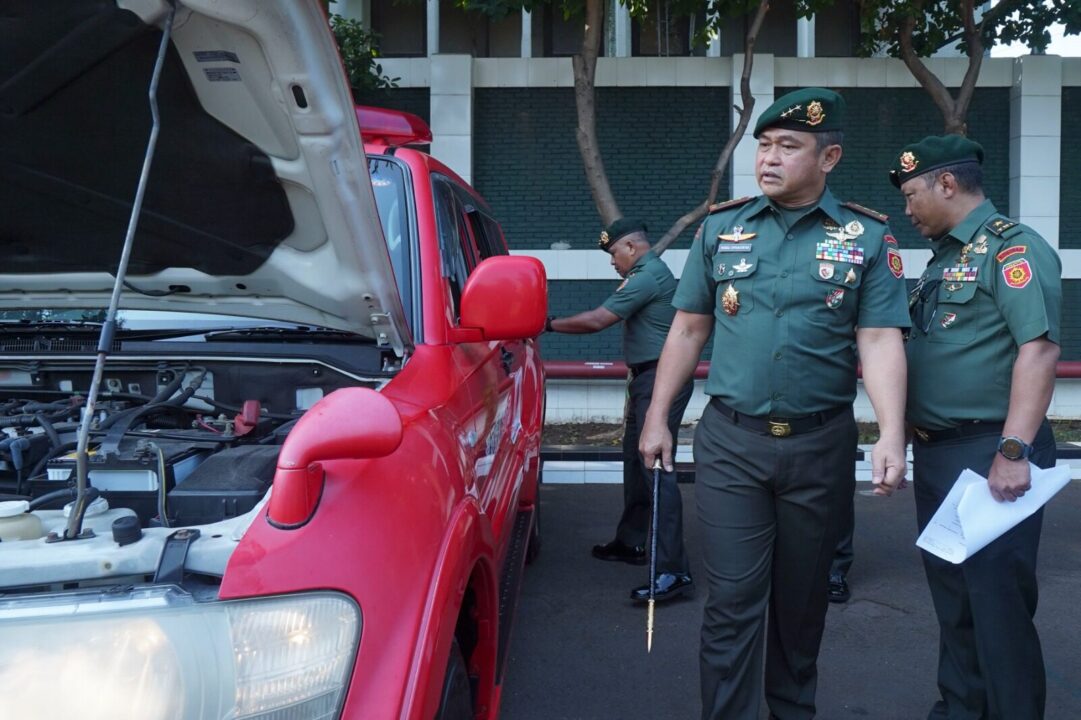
{"x":457,"y":255}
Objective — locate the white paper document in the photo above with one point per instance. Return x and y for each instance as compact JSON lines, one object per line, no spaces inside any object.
{"x":970,"y":518}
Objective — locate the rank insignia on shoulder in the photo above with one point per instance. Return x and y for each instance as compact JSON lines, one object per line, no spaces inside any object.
{"x":881,"y":217}
{"x":999,"y":226}
{"x":717,"y":207}
{"x":1015,"y":250}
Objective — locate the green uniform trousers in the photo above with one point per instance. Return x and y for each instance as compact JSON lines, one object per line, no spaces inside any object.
{"x":633,"y":528}
{"x":770,"y":515}
{"x":990,"y":664}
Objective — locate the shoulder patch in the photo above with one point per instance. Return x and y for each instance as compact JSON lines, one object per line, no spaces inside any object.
{"x":1015,"y":250}
{"x":1004,"y":228}
{"x":717,"y":207}
{"x":881,"y":217}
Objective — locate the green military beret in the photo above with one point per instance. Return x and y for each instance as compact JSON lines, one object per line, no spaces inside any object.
{"x":931,"y":153}
{"x":619,"y":229}
{"x":811,"y":109}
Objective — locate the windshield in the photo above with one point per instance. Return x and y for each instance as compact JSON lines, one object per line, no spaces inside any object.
{"x":389,"y":186}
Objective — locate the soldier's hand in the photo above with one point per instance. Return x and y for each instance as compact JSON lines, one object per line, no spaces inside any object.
{"x":888,"y":466}
{"x":1009,"y":479}
{"x":655,"y":442}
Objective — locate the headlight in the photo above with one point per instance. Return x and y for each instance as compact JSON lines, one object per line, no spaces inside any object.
{"x":156,"y":654}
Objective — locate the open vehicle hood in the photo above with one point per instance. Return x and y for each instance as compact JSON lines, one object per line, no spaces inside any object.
{"x":258,"y":201}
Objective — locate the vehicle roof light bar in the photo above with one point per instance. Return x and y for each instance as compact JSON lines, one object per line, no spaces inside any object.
{"x":392,"y":127}
{"x":83,"y":497}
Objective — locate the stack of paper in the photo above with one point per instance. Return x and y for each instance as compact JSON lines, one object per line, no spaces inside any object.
{"x":970,"y":517}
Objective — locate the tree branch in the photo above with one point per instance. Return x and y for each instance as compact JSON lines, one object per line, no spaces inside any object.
{"x":927,"y":79}
{"x":699,"y":211}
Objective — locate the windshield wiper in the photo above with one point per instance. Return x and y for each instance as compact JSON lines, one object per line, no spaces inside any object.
{"x":285,"y":334}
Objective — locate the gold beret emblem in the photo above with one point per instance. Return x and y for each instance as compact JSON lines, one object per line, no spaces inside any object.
{"x":908,"y":161}
{"x":604,"y":239}
{"x":815,"y":115}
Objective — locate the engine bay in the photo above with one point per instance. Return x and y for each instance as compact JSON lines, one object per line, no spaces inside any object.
{"x":174,"y":443}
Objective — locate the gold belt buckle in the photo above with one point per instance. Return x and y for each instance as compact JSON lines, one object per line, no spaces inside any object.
{"x":779,"y":429}
{"x":922,"y":434}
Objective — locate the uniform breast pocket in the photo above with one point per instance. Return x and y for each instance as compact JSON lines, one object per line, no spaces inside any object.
{"x":834,"y":292}
{"x":734,"y":273}
{"x":953,"y":320}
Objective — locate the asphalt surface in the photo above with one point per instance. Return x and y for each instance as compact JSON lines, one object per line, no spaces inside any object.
{"x":578,"y":650}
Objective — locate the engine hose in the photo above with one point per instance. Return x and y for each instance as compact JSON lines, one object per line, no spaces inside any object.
{"x":67,"y":493}
{"x":47,"y":426}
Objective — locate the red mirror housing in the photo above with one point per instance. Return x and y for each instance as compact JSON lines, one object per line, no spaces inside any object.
{"x":505,"y":298}
{"x":351,"y":423}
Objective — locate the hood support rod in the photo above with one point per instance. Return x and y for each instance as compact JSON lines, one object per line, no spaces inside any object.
{"x":84,"y":496}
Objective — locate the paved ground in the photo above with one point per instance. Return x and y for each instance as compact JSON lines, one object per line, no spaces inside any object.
{"x":578,"y":651}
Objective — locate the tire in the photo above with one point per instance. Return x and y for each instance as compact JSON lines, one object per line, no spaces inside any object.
{"x":455,"y":700}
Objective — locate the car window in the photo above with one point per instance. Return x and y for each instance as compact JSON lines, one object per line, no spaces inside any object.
{"x":486,"y":232}
{"x":392,"y":199}
{"x":455,"y":245}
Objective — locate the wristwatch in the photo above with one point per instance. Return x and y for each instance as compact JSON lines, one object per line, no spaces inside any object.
{"x":1012,"y":447}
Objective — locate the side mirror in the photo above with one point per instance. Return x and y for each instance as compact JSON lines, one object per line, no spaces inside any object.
{"x":505,"y":298}
{"x":351,"y":423}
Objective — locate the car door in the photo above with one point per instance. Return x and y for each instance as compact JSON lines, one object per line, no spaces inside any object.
{"x":494,"y":370}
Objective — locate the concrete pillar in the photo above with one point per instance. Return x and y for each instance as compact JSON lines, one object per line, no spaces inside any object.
{"x":527,"y":33}
{"x":433,"y":27}
{"x":742,"y":167}
{"x":805,"y":37}
{"x":622,"y":22}
{"x":355,"y":10}
{"x":714,"y":47}
{"x":1035,"y":141}
{"x":451,"y":78}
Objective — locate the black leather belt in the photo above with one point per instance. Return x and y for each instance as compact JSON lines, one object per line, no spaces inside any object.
{"x":639,"y":368}
{"x":779,"y":426}
{"x":969,"y":429}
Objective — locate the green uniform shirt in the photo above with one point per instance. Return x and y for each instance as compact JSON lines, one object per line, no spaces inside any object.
{"x":786,"y":302}
{"x":991,"y":286}
{"x":644,"y":302}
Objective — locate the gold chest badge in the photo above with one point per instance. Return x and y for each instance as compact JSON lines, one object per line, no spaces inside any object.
{"x":730,"y":300}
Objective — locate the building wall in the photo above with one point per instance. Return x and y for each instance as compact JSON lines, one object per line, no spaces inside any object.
{"x":527,"y":165}
{"x":1070,"y":192}
{"x":880,"y":121}
{"x":661,"y":122}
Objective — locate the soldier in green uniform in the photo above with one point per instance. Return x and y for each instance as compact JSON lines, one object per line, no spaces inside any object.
{"x":643,"y":301}
{"x":981,"y":357}
{"x":791,"y":283}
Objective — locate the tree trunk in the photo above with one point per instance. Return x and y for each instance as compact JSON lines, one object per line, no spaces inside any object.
{"x":699,"y":211}
{"x":954,"y":111}
{"x":585,"y":68}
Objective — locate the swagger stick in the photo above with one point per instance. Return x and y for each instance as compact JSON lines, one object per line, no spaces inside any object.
{"x":653,"y":556}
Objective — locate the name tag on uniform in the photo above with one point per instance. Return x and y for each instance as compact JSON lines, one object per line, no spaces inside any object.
{"x":731,"y":248}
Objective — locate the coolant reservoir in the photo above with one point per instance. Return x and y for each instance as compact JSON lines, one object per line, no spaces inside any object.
{"x":17,"y":522}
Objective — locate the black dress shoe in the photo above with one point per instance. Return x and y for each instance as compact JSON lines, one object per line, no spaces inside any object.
{"x":616,"y":551}
{"x":667,"y":586}
{"x":838,"y":589}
